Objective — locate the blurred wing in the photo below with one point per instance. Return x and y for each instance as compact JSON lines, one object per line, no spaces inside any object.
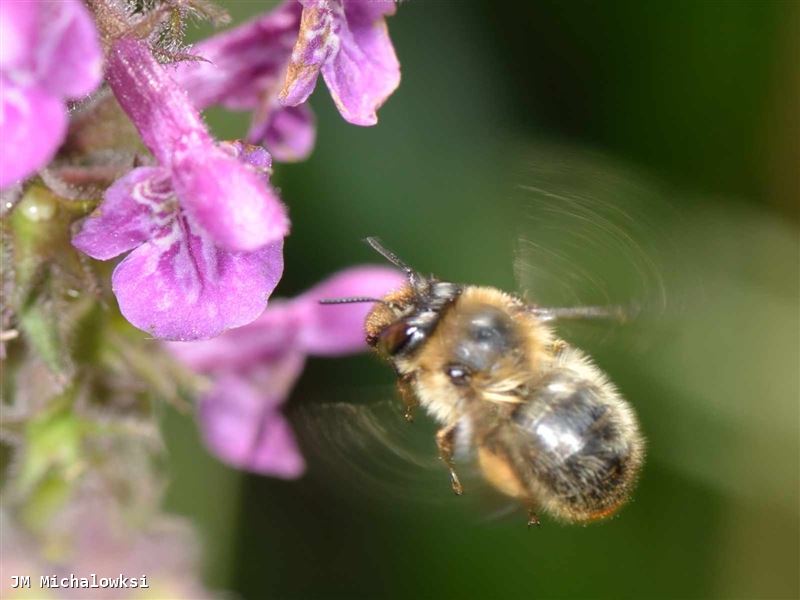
{"x":364,"y":446}
{"x":591,"y":233}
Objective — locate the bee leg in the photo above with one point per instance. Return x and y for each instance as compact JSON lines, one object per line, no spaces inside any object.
{"x":445,"y":440}
{"x":533,"y":518}
{"x":408,"y":396}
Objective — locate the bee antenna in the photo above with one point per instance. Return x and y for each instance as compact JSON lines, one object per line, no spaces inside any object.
{"x":350,"y":300}
{"x":376,"y":245}
{"x":415,"y":279}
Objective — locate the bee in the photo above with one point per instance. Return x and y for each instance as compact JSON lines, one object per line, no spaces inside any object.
{"x":547,"y":426}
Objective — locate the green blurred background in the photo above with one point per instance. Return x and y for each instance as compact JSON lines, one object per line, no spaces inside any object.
{"x":674,"y":122}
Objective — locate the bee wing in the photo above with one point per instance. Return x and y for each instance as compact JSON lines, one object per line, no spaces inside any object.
{"x":367,"y":445}
{"x":590,"y":234}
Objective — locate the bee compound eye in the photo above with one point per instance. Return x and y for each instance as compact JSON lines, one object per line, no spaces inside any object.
{"x":399,"y":337}
{"x":458,"y":374}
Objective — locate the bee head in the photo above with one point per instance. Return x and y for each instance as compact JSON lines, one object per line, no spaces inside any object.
{"x":402,"y":321}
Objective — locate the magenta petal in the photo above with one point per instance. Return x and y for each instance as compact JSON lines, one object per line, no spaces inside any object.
{"x":316,"y":43}
{"x":180,"y":286}
{"x":134,"y":208}
{"x":288,"y":132}
{"x":69,"y":58}
{"x":243,"y":426}
{"x":33,"y":124}
{"x":230,"y":201}
{"x":18,"y":21}
{"x":34,"y":36}
{"x":160,"y":109}
{"x":276,"y":452}
{"x":332,"y":329}
{"x":365,"y":70}
{"x":271,"y":336}
{"x":243,"y":70}
{"x":242,"y":66}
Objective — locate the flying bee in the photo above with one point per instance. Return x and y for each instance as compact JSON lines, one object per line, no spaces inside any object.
{"x":548,"y":428}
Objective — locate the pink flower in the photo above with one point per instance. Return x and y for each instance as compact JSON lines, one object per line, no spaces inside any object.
{"x":49,"y":52}
{"x":270,"y":66}
{"x":346,"y":40}
{"x":205,"y":229}
{"x":244,"y":69}
{"x":254,"y":368}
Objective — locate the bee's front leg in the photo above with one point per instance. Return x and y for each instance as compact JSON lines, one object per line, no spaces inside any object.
{"x":408,"y":396}
{"x":445,"y":440}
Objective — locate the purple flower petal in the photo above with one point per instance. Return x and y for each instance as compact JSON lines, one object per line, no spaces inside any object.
{"x":243,"y":426}
{"x":255,"y":367}
{"x":365,"y":71}
{"x":49,"y":51}
{"x":276,"y":452}
{"x":180,"y":286}
{"x":209,"y":226}
{"x":68,"y":49}
{"x":264,"y":340}
{"x":243,"y":70}
{"x":242,"y":66}
{"x":32,"y":125}
{"x":135,"y":207}
{"x":289,"y":132}
{"x":316,"y":43}
{"x":347,"y":40}
{"x":231,"y":202}
{"x":18,"y":21}
{"x":226,"y":198}
{"x":335,"y":329}
{"x":158,"y":107}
